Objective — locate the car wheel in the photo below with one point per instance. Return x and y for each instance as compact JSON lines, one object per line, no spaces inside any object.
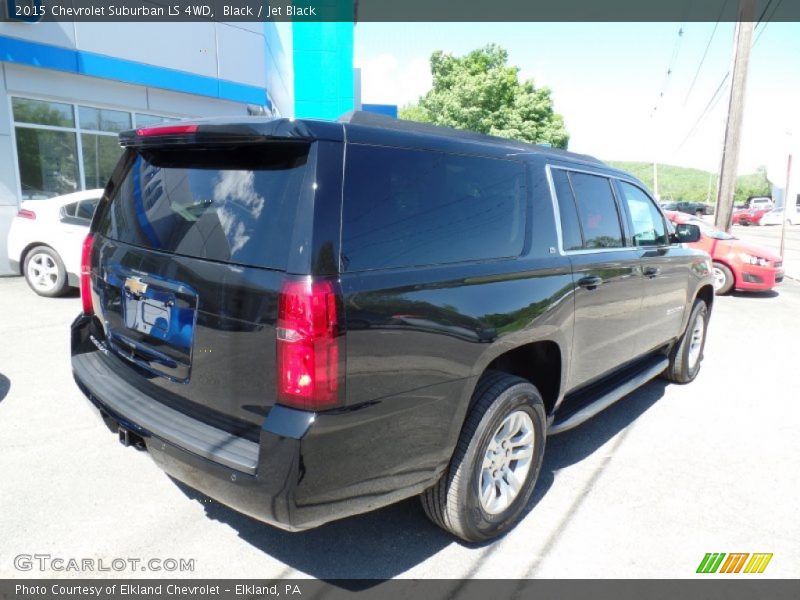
{"x":723,"y":278}
{"x":494,"y":468}
{"x":44,"y":272}
{"x":699,"y":213}
{"x":687,"y":355}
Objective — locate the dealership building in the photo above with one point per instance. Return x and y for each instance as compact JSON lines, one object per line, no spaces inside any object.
{"x":68,"y":89}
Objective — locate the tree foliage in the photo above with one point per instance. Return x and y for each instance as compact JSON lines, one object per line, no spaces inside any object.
{"x":695,"y":185}
{"x":482,"y":93}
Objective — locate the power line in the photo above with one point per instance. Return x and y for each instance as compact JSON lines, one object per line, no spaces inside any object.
{"x":716,"y":95}
{"x":711,"y":104}
{"x":705,"y":52}
{"x":764,"y":12}
{"x":769,"y":19}
{"x":670,"y":67}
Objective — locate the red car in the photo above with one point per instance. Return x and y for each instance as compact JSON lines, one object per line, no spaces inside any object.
{"x":737,"y":264}
{"x":749,"y":216}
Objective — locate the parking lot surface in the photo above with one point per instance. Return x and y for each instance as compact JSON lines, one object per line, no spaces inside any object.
{"x":643,"y":490}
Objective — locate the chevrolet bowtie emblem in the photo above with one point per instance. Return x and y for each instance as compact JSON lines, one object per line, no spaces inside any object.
{"x":135,"y":286}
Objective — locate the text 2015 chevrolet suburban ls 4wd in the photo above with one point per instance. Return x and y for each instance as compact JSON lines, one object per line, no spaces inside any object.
{"x":308,"y":320}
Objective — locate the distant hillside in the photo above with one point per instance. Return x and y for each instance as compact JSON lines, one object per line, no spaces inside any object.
{"x":681,"y":183}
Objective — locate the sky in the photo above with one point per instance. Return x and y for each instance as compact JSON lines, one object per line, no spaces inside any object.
{"x":606,"y":79}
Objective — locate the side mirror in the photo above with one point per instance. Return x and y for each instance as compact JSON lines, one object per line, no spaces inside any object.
{"x":685,"y":233}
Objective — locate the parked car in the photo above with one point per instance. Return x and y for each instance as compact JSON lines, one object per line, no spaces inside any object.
{"x":45,"y":238}
{"x":776,"y":216}
{"x":502,"y":291}
{"x":759,"y":202}
{"x":749,"y":216}
{"x":737,"y":265}
{"x":690,"y":208}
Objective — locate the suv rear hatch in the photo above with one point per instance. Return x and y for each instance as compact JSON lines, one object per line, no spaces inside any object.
{"x":189,"y":257}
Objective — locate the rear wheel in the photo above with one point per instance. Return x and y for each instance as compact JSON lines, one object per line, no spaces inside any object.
{"x":496,"y":463}
{"x":687,"y":356}
{"x":45,"y":272}
{"x":723,"y":278}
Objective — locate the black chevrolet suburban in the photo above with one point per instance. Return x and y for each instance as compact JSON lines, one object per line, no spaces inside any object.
{"x":306,"y":320}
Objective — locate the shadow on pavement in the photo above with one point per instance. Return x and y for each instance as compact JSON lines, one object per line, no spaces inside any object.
{"x":387,"y":542}
{"x":5,"y":385}
{"x":377,"y":545}
{"x":756,"y":295}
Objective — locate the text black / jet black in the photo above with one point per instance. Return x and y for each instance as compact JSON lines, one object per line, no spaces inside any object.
{"x":308,"y":320}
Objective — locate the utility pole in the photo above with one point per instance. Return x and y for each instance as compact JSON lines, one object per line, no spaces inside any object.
{"x":730,"y":152}
{"x":786,"y":201}
{"x":655,"y":180}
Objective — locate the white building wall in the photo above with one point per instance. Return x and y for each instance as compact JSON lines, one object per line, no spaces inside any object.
{"x":79,"y":89}
{"x":253,"y":54}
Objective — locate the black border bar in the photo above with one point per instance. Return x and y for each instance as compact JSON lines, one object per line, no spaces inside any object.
{"x":395,"y":10}
{"x":710,"y":587}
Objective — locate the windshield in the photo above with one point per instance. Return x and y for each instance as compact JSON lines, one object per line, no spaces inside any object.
{"x":711,"y":231}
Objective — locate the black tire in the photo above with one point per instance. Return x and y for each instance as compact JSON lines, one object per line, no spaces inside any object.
{"x":729,"y":282}
{"x":36,"y":256}
{"x":699,"y":212}
{"x":454,"y":503}
{"x":681,"y":368}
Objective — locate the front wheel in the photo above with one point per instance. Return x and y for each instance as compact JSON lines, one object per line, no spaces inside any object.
{"x":495,"y":465}
{"x":687,"y":355}
{"x":723,"y":278}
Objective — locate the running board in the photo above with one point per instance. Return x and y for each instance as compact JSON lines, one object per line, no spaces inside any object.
{"x":605,"y":400}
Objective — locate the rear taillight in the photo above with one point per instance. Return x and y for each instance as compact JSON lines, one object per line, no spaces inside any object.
{"x":86,"y":270}
{"x":26,"y":214}
{"x":309,"y":344}
{"x":167,"y":130}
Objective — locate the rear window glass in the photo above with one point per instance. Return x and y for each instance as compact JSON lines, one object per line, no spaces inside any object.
{"x":229,"y":204}
{"x":417,"y":207}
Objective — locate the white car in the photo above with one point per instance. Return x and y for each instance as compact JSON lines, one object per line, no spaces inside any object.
{"x":775,"y":216}
{"x":46,"y":237}
{"x":758,"y":202}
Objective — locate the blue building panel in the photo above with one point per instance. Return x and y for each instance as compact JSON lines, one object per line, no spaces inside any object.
{"x":36,"y":54}
{"x":323,"y":69}
{"x":390,"y":110}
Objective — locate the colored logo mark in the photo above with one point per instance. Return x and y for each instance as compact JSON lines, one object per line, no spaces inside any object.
{"x":719,"y":562}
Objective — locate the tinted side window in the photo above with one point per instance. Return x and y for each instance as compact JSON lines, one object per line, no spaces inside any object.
{"x":416,"y":207}
{"x":597,"y":211}
{"x":570,"y":227}
{"x":648,"y":226}
{"x":68,"y":210}
{"x":86,"y":209}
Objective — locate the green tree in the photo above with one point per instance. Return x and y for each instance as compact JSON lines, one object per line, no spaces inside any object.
{"x":482,"y":93}
{"x":755,"y":184}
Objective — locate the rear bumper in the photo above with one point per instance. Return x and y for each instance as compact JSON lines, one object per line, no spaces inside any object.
{"x":287,"y":479}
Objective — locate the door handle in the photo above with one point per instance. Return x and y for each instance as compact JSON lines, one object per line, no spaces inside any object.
{"x":651,"y":272}
{"x":590,"y":282}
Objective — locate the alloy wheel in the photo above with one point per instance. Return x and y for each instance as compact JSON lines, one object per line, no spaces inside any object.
{"x":506,"y":462}
{"x":42,"y":272}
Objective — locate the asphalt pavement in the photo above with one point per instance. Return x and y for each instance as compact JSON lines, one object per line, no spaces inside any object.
{"x":643,"y":490}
